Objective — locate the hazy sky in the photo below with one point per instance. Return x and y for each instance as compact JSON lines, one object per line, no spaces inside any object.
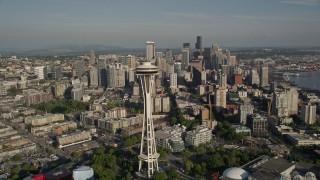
{"x":129,"y":23}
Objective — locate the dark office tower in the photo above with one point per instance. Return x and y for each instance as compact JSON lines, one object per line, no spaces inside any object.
{"x":56,"y":72}
{"x":199,"y":43}
{"x":102,"y":68}
{"x":79,"y":67}
{"x":273,"y":85}
{"x":207,"y":57}
{"x":186,"y":45}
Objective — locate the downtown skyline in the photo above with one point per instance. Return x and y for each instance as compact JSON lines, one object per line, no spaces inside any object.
{"x":249,"y":23}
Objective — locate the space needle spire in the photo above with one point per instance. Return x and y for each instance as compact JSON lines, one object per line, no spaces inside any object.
{"x":148,"y":151}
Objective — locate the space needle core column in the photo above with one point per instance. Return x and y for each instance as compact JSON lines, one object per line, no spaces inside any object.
{"x":148,"y":152}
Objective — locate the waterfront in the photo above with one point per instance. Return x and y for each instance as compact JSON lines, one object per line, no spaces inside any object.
{"x":310,"y":79}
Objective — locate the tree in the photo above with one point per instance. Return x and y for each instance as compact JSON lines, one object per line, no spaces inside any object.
{"x":189,"y":165}
{"x":42,"y":81}
{"x":100,"y":151}
{"x":172,"y":173}
{"x":200,"y":150}
{"x":163,"y":152}
{"x":128,"y":176}
{"x":13,"y":91}
{"x":173,"y":121}
{"x":186,"y":154}
{"x":216,"y":162}
{"x":16,"y":158}
{"x":76,"y":155}
{"x":16,"y":170}
{"x":198,"y":170}
{"x":160,"y":176}
{"x":15,"y":176}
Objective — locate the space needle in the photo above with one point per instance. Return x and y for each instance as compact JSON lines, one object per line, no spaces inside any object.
{"x":148,"y":151}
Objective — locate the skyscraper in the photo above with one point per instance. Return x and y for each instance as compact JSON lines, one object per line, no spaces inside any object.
{"x":220,"y":100}
{"x":186,"y":45}
{"x":185,"y":58}
{"x":207,"y":57}
{"x":79,"y":68}
{"x":309,"y":113}
{"x":94,"y":77}
{"x":77,"y":92}
{"x":150,"y":50}
{"x":92,"y":57}
{"x":115,"y":75}
{"x":148,"y":154}
{"x":102,"y":70}
{"x":223,"y":81}
{"x":254,"y":77}
{"x":168,"y":55}
{"x":56,"y":72}
{"x":264,"y":76}
{"x":40,"y":72}
{"x":199,"y":44}
{"x":173,"y":80}
{"x":285,"y":102}
{"x":245,"y":109}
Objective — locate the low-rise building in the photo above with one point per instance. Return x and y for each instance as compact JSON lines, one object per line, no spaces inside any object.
{"x":198,"y":136}
{"x":279,"y":150}
{"x":242,"y":129}
{"x":113,"y":125}
{"x":16,"y":146}
{"x":171,"y":138}
{"x":73,"y":138}
{"x":303,"y":140}
{"x":283,"y":130}
{"x":135,"y":129}
{"x":55,"y":128}
{"x":86,"y":146}
{"x":43,"y":120}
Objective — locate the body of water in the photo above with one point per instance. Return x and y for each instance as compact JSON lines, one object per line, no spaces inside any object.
{"x":309,"y":80}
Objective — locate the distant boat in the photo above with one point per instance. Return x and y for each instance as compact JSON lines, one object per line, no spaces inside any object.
{"x":290,"y":74}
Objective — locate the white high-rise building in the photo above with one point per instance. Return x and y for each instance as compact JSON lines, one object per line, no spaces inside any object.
{"x":223,"y":81}
{"x":245,"y":109}
{"x":94,"y":77}
{"x":264,"y":76}
{"x":285,"y":102}
{"x":254,"y":77}
{"x":220,"y":98}
{"x":173,"y":80}
{"x":40,"y":72}
{"x":116,"y":75}
{"x":131,"y":61}
{"x":77,"y":92}
{"x":148,"y":154}
{"x":150,"y":50}
{"x":92,"y":57}
{"x":309,"y":113}
{"x":185,"y":58}
{"x":161,"y":104}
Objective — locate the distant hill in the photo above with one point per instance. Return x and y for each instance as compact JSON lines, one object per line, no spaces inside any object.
{"x":69,"y":49}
